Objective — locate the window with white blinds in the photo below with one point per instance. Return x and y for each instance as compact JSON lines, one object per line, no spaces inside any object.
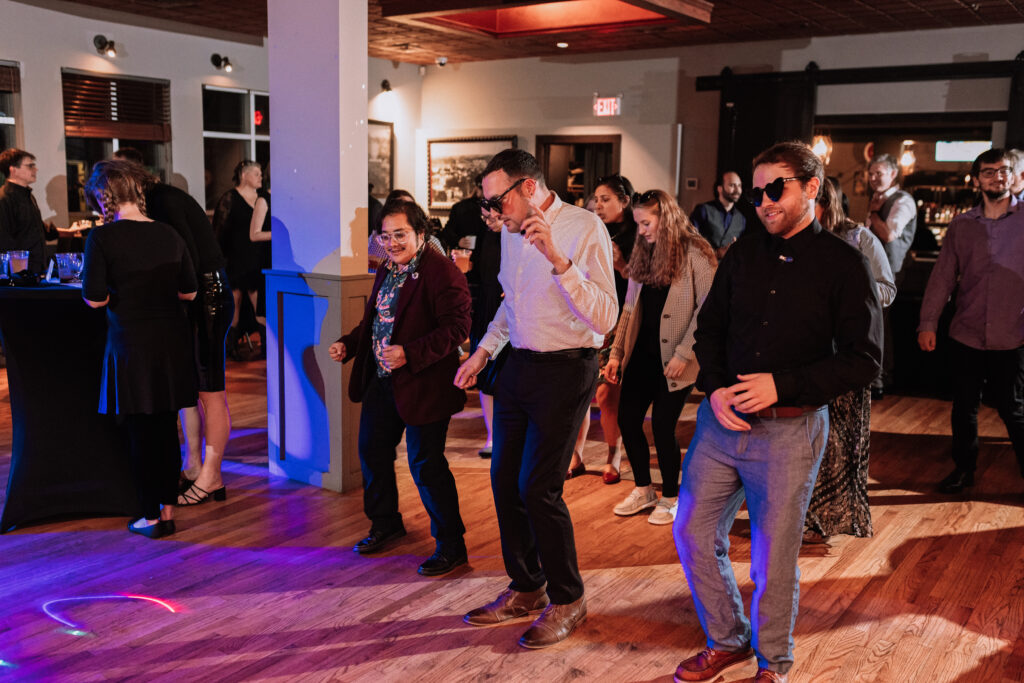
{"x":116,"y":107}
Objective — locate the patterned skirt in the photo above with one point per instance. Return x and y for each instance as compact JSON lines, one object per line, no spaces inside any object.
{"x":839,"y":504}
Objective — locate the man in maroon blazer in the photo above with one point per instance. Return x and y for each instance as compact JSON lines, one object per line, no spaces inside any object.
{"x":406,"y":355}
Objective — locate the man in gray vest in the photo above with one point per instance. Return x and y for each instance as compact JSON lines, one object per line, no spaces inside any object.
{"x":893,"y":216}
{"x":720,"y":221}
{"x":893,"y":219}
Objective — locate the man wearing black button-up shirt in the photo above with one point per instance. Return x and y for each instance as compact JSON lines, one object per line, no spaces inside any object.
{"x":792,"y":321}
{"x":21,"y":224}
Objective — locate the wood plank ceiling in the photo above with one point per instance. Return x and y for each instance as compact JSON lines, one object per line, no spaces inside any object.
{"x":731,"y":21}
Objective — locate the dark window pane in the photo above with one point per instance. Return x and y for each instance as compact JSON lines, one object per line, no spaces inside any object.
{"x":261,"y":117}
{"x":225,"y":112}
{"x":221,"y":157}
{"x":81,"y":154}
{"x":263,"y":157}
{"x":154,"y":156}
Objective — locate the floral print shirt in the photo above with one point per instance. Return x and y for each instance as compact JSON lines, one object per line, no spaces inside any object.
{"x":387,"y":307}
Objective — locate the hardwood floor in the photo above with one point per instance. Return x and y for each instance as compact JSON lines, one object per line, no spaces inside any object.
{"x":265,"y":586}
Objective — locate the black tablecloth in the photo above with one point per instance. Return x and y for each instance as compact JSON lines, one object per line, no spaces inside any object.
{"x":66,"y":459}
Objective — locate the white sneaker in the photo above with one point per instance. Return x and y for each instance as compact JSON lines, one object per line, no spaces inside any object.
{"x":664,"y":512}
{"x":637,"y":500}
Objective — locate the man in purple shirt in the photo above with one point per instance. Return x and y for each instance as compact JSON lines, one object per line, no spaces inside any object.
{"x":983,"y":258}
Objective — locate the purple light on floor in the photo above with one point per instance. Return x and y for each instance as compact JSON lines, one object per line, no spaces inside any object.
{"x":76,"y":628}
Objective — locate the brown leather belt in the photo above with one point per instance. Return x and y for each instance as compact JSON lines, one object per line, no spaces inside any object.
{"x":785,"y":411}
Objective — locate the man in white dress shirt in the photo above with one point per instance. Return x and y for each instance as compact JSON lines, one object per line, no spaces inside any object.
{"x":556,"y":272}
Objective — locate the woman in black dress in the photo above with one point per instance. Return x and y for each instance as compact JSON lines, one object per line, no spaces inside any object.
{"x":141,"y":271}
{"x":612,"y":198}
{"x":231,"y":221}
{"x":207,"y":430}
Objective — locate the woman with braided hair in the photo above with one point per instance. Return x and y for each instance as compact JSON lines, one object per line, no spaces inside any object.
{"x":140,"y":270}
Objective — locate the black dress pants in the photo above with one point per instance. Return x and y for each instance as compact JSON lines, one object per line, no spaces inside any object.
{"x":156,"y":459}
{"x":643,"y":383}
{"x":380,"y":431}
{"x":539,"y":403}
{"x":1003,"y":373}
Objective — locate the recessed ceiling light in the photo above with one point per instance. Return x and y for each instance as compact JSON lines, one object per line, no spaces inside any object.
{"x":562,"y":45}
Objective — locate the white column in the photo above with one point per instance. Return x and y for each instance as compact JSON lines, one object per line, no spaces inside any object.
{"x":318,"y":284}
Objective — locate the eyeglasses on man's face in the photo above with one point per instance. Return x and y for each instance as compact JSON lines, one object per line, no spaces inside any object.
{"x":993,"y":172}
{"x":772,"y":190}
{"x":398,"y":237}
{"x":497,"y":204}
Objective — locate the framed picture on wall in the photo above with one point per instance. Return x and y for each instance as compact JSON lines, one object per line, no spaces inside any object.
{"x":381,"y":149}
{"x":453,"y":163}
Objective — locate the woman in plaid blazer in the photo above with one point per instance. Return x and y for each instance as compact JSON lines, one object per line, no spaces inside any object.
{"x":670,"y":272}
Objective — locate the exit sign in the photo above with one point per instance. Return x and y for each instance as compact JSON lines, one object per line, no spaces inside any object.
{"x":607,"y":106}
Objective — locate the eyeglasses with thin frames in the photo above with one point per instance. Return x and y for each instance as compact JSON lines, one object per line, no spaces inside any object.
{"x":993,"y":172}
{"x":772,"y":190}
{"x":496,"y":204}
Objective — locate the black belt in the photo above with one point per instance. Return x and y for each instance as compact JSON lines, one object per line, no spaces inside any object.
{"x":561,"y":354}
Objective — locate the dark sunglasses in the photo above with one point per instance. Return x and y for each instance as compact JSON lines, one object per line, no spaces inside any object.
{"x":496,"y":204}
{"x":645,"y":198}
{"x":772,"y":190}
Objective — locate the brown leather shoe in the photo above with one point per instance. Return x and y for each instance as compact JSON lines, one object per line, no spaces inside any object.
{"x":555,"y":624}
{"x":510,"y":604}
{"x":769,"y":676}
{"x":709,"y":663}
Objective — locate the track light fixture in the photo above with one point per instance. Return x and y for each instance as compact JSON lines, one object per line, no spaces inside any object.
{"x":104,"y":46}
{"x":385,"y":85}
{"x":221,"y":62}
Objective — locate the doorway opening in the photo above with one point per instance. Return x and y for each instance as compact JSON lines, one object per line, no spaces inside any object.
{"x":572,"y":164}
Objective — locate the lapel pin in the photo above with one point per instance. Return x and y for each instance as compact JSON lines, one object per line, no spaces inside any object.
{"x":415,"y":275}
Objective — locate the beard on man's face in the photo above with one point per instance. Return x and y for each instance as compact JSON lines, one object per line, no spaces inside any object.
{"x":996,"y":195}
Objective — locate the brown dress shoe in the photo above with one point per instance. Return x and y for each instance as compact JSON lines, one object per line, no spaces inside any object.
{"x":709,"y":663}
{"x":555,"y":624}
{"x":769,"y":676}
{"x":510,"y":604}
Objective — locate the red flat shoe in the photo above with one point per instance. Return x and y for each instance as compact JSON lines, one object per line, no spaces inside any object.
{"x":611,"y":477}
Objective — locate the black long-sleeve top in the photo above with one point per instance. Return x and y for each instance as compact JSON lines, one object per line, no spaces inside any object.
{"x":21,"y":224}
{"x":803,"y":309}
{"x":177,"y":208}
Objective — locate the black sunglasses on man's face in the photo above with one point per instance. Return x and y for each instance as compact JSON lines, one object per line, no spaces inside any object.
{"x":496,"y":204}
{"x":772,"y":190}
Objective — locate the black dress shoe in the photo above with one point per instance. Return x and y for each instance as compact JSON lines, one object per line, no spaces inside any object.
{"x":442,"y":562}
{"x":377,"y":540}
{"x":484,"y":452}
{"x":957,"y":482}
{"x":877,"y":393}
{"x":158,"y":530}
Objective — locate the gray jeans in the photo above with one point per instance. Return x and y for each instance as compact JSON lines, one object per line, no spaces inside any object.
{"x":774,"y":466}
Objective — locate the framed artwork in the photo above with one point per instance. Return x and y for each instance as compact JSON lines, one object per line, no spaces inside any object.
{"x":381,"y":150}
{"x":453,"y":163}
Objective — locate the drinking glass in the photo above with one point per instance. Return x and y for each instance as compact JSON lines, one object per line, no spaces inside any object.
{"x":19,"y":261}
